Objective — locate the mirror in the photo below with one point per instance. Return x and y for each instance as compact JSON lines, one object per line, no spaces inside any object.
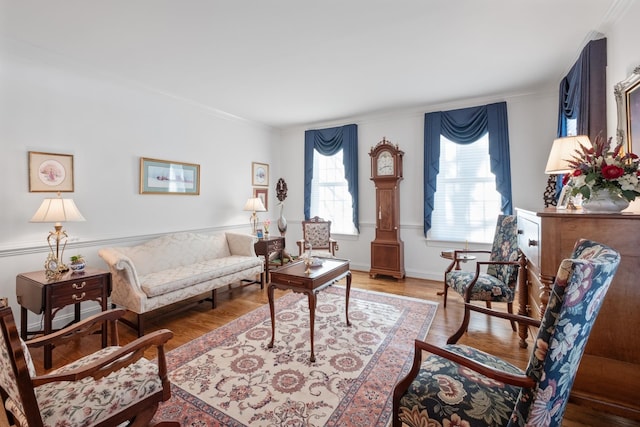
{"x":627,"y":94}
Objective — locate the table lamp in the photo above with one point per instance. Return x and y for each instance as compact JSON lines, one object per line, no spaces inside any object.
{"x":254,"y":204}
{"x":57,"y":210}
{"x":562,"y":151}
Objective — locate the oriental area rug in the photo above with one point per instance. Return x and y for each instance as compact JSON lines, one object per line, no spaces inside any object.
{"x":229,"y":377}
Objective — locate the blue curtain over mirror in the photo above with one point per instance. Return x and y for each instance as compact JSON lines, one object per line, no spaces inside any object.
{"x":465,"y":126}
{"x":328,"y":142}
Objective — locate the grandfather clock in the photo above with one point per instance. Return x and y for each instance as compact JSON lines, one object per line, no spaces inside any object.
{"x":387,"y":250}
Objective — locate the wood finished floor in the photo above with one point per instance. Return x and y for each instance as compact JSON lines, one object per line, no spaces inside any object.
{"x":489,"y":334}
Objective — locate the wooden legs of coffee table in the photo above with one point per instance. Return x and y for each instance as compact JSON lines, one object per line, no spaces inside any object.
{"x":312,"y":296}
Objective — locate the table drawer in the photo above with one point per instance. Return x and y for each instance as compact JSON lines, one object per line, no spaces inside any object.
{"x":75,"y":291}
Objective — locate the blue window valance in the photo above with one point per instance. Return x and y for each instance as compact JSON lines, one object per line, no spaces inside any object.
{"x":465,"y":126}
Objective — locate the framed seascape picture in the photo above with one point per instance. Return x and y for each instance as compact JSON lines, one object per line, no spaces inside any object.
{"x":263,"y":194}
{"x":49,"y":172}
{"x":167,"y":177}
{"x":259,"y":174}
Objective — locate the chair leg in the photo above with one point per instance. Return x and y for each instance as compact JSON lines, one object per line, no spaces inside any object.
{"x":513,"y":322}
{"x":143,"y":418}
{"x":463,"y":327}
{"x":444,"y":293}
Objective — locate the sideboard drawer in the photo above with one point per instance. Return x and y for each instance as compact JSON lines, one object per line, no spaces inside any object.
{"x":529,"y":238}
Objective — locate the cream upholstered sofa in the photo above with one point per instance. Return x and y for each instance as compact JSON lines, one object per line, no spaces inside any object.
{"x":176,"y":267}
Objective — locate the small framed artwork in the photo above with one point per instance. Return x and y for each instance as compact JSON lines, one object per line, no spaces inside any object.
{"x":263,"y":194}
{"x":167,"y":177}
{"x":49,"y":172}
{"x":259,"y":174}
{"x":565,"y":197}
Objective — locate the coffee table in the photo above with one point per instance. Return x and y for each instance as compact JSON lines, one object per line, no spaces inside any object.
{"x":294,"y":276}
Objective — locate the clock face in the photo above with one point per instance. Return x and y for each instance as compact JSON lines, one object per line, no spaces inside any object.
{"x":385,"y":165}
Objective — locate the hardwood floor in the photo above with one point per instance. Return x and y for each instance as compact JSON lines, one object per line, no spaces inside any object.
{"x":489,"y":334}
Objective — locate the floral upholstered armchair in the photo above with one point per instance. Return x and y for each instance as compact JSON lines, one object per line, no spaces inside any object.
{"x":112,"y":386}
{"x":497,"y":283}
{"x":459,"y":385}
{"x":316,"y":234}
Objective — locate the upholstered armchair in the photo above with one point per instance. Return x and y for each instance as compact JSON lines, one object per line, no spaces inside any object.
{"x":493,"y":280}
{"x":112,"y":386}
{"x":460,"y":385}
{"x":317,"y":233}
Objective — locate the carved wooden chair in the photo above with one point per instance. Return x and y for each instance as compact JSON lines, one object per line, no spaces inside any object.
{"x":112,"y":386}
{"x":460,"y":385}
{"x":493,"y":280}
{"x":317,"y":232}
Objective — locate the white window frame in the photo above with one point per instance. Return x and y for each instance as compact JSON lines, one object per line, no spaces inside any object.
{"x":468,"y":215}
{"x":329,"y":179}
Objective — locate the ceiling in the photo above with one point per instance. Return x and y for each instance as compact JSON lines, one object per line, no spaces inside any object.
{"x":285,"y":63}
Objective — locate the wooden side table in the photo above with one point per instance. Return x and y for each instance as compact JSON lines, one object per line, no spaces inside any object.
{"x":38,"y":294}
{"x":266,"y":247}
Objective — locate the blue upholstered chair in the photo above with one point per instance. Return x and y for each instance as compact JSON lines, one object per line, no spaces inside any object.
{"x":459,"y":385}
{"x":493,"y":280}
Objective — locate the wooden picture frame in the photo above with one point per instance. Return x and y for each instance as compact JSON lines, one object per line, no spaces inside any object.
{"x":259,"y":174}
{"x":50,"y":172}
{"x":627,"y":94}
{"x":263,"y":194}
{"x":169,"y":177}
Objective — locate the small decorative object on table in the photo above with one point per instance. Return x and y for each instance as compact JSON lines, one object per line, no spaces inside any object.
{"x":607,"y":180}
{"x":266,"y":223}
{"x":77,"y":263}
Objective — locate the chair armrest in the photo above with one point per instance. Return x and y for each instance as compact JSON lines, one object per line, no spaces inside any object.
{"x":514,"y":379}
{"x":80,"y":329}
{"x":518,"y":380}
{"x":112,"y":362}
{"x":241,"y":244}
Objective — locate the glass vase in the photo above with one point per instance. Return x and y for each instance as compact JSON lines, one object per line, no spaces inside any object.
{"x":604,"y":201}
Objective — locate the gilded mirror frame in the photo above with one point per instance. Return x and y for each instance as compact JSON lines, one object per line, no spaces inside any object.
{"x":627,"y":94}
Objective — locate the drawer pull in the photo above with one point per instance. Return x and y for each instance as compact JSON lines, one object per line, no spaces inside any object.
{"x":520,"y":231}
{"x":79,"y":298}
{"x":80,"y":286}
{"x":533,"y":242}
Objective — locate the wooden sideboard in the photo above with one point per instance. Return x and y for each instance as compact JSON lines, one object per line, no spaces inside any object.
{"x":609,"y":375}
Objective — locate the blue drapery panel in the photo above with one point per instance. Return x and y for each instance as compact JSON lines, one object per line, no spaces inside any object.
{"x":583,"y":95}
{"x":583,"y":92}
{"x":465,"y":126}
{"x":328,"y":142}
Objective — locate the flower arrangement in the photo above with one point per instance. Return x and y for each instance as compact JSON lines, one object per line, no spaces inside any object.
{"x":598,"y":168}
{"x":266,"y":223}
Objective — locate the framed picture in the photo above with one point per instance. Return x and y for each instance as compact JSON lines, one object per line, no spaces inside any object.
{"x":49,"y":172}
{"x":263,"y":194}
{"x":167,"y":177}
{"x":260,"y":174}
{"x":565,"y":196}
{"x":627,"y":94}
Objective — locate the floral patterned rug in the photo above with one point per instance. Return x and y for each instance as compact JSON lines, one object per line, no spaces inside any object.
{"x":229,"y":377}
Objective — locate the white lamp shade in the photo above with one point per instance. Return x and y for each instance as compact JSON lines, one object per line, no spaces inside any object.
{"x":254,"y":204}
{"x":562,"y":151}
{"x":57,"y":210}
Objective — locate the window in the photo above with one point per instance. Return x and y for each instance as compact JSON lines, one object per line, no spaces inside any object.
{"x":330,"y":197}
{"x":467,"y":203}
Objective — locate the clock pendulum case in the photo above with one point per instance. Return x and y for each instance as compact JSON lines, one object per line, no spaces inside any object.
{"x":387,"y":249}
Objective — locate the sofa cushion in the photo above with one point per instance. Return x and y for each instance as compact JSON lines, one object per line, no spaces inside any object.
{"x":176,"y":250}
{"x":172,"y":279}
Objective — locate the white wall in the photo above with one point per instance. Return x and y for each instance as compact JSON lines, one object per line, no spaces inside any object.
{"x":531,"y":127}
{"x":49,"y":103}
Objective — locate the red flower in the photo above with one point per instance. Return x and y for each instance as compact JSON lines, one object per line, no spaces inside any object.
{"x":612,"y":172}
{"x":577,"y":172}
